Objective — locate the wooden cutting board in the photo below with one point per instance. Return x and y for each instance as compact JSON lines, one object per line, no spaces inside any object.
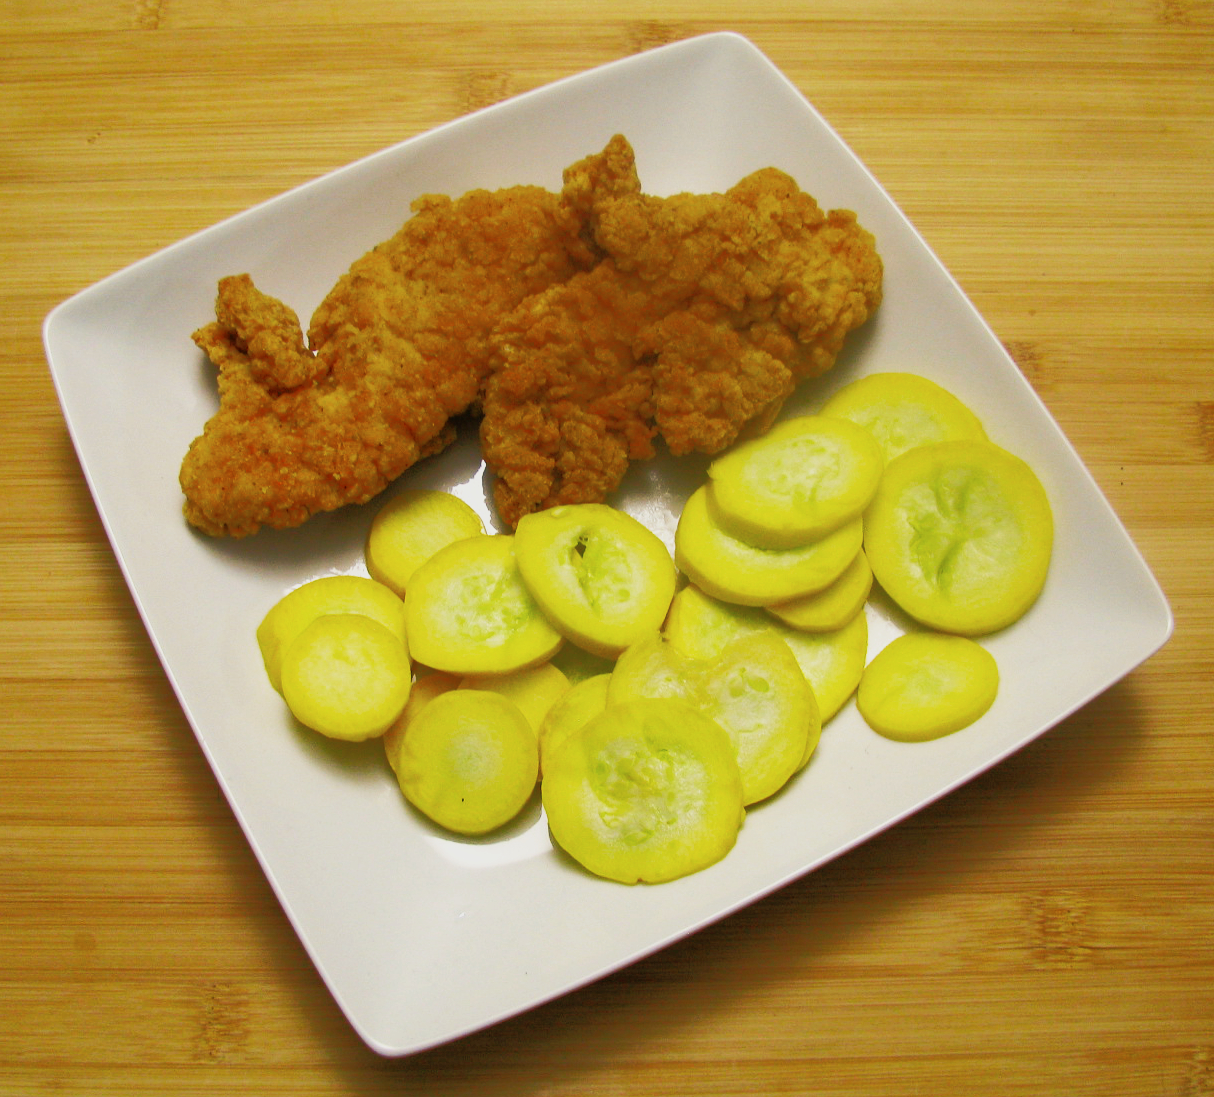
{"x":1048,"y":929}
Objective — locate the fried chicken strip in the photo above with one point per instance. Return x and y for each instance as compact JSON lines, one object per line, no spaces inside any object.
{"x":399,"y":346}
{"x":704,"y":314}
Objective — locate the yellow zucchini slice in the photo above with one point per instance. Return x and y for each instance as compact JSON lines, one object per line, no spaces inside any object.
{"x":424,"y":690}
{"x":960,"y":536}
{"x":832,"y":662}
{"x":346,"y":676}
{"x":410,"y":528}
{"x":833,"y":607}
{"x":600,"y":577}
{"x":534,"y":689}
{"x":647,"y":791}
{"x":926,"y":684}
{"x":735,"y":571}
{"x":571,"y":711}
{"x":469,"y":761}
{"x":802,"y":479}
{"x":469,"y":612}
{"x":754,"y":689}
{"x":904,"y":410}
{"x":292,"y":613}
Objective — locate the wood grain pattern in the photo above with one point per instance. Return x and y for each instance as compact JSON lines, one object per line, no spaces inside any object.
{"x":1046,"y":930}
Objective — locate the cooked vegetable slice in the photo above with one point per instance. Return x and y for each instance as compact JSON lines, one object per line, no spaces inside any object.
{"x":469,"y":761}
{"x":424,"y":690}
{"x":468,"y":611}
{"x":833,"y":607}
{"x":534,"y":689}
{"x":571,"y":711}
{"x":410,"y":528}
{"x":924,"y":685}
{"x":802,"y":479}
{"x":600,"y":576}
{"x":832,"y":662}
{"x":645,"y":791}
{"x":735,"y":571}
{"x":346,"y":676}
{"x":904,"y":410}
{"x":960,"y":536}
{"x":754,"y":689}
{"x":292,"y":613}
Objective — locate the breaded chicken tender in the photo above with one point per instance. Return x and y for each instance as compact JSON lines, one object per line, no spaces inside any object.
{"x":701,"y":317}
{"x":582,"y":325}
{"x":399,"y":346}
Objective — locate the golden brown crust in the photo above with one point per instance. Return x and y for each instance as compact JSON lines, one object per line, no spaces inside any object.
{"x":703,"y":315}
{"x":582,"y":325}
{"x":397,"y":348}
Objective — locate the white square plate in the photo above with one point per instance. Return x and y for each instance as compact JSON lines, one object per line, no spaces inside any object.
{"x":420,"y":936}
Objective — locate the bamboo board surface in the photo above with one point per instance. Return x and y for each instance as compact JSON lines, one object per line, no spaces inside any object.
{"x":1047,"y":929}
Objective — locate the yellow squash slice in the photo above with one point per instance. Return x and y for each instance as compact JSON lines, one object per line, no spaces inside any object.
{"x":754,"y":689}
{"x":469,"y":760}
{"x":292,"y":613}
{"x":796,"y":483}
{"x":346,"y":676}
{"x":575,"y":708}
{"x":534,"y":689}
{"x":832,"y":662}
{"x":960,"y":536}
{"x":735,"y":571}
{"x":647,"y":791}
{"x":904,"y":410}
{"x":925,"y":684}
{"x":412,"y":527}
{"x":424,"y":690}
{"x":833,"y":607}
{"x":468,"y":611}
{"x":600,"y":576}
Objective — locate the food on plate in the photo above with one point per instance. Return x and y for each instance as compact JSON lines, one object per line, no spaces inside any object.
{"x":602,"y":579}
{"x":297,"y":609}
{"x":583,"y":700}
{"x":425,"y":689}
{"x":411,"y":528}
{"x":534,"y":689}
{"x":753,"y":689}
{"x":803,"y":478}
{"x":904,"y":410}
{"x":960,"y":535}
{"x":346,"y":676}
{"x":701,"y":316}
{"x":736,"y":571}
{"x":469,"y":612}
{"x":832,"y":662}
{"x":924,"y":685}
{"x":646,"y":791}
{"x":685,"y":704}
{"x":582,"y":324}
{"x":833,"y":607}
{"x":399,"y":346}
{"x":469,"y":760}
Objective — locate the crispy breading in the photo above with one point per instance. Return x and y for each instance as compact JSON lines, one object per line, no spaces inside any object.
{"x":703,"y":315}
{"x":583,"y":325}
{"x":397,"y":348}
